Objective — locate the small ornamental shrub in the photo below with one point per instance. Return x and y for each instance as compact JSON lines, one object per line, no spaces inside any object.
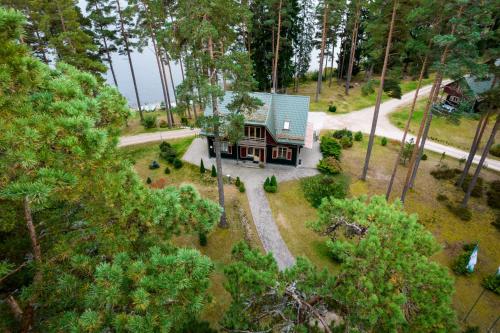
{"x":149,"y":121}
{"x":462,"y":213}
{"x":237,"y":182}
{"x":339,"y":134}
{"x":383,"y":141}
{"x":202,"y":167}
{"x":164,"y":146}
{"x":202,"y":237}
{"x":495,"y":150}
{"x":163,"y":123}
{"x":493,"y":194}
{"x":148,"y":181}
{"x":167,"y":152}
{"x":332,"y":108}
{"x":367,"y":88}
{"x":459,"y":266}
{"x":177,"y":163}
{"x":477,"y":191}
{"x":407,"y":151}
{"x":358,"y":136}
{"x":492,"y":283}
{"x":241,"y":187}
{"x":442,"y":171}
{"x":214,"y":172}
{"x":329,"y":165}
{"x":346,"y":142}
{"x":424,"y":157}
{"x":184,"y":121}
{"x":167,"y":170}
{"x":154,"y":165}
{"x":330,"y":147}
{"x":321,"y":186}
{"x":472,"y":329}
{"x":271,"y":185}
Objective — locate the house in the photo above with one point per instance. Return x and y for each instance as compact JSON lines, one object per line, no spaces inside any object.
{"x":274,"y":133}
{"x":467,"y":89}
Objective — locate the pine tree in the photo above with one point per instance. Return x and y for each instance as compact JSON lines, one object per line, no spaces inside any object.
{"x":304,"y":43}
{"x":202,"y":167}
{"x":214,"y":171}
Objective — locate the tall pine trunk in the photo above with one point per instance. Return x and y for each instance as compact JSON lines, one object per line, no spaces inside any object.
{"x":481,"y":126}
{"x":486,"y":150}
{"x":277,"y":51}
{"x":127,"y":50}
{"x":322,"y":54}
{"x":379,"y":94}
{"x":331,"y":64}
{"x":420,"y":150}
{"x":354,"y":41}
{"x":167,"y":59}
{"x":341,"y":72}
{"x":169,"y":110}
{"x":218,"y":159}
{"x":108,"y":54}
{"x":405,"y":133}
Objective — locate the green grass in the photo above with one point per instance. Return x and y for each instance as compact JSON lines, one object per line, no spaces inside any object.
{"x":335,"y":95}
{"x":134,"y":125}
{"x":441,"y":130}
{"x":220,"y":241}
{"x":291,"y":211}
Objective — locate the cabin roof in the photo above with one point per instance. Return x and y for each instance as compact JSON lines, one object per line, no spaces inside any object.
{"x":275,"y":111}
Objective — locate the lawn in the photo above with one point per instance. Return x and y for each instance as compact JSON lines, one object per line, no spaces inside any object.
{"x":220,"y":241}
{"x":442,"y":130}
{"x":291,"y":211}
{"x":134,"y":125}
{"x":335,"y":94}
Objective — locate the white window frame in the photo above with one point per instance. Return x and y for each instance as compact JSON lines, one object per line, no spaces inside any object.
{"x":286,"y":125}
{"x":224,"y":147}
{"x":282,"y":153}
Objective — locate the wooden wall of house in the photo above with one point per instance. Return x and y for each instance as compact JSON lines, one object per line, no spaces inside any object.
{"x":292,"y":161}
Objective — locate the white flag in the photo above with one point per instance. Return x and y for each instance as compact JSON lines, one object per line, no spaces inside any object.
{"x":472,"y":260}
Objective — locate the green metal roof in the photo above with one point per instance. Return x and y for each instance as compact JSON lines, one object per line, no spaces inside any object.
{"x":478,"y":86}
{"x":275,"y":111}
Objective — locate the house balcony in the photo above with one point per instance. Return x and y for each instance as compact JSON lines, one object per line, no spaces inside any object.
{"x":253,"y":142}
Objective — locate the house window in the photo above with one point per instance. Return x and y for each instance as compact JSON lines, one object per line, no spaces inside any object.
{"x":286,"y":125}
{"x":454,"y":99}
{"x":224,"y":147}
{"x":250,"y":151}
{"x":282,"y":152}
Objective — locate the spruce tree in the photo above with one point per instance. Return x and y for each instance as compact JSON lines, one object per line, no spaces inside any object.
{"x":202,"y":167}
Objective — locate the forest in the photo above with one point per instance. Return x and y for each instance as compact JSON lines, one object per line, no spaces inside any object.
{"x":88,"y":246}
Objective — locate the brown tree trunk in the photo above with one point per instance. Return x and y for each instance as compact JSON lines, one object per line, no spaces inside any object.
{"x":164,"y":86}
{"x":354,"y":41}
{"x":14,"y":307}
{"x":331,"y":64}
{"x":379,"y":94}
{"x":108,"y":55}
{"x":433,"y":95}
{"x":167,"y":59}
{"x":169,"y":110}
{"x":407,"y":127}
{"x":481,"y":126}
{"x":218,"y":159}
{"x":342,"y":65}
{"x":127,"y":50}
{"x":420,"y":150}
{"x":276,"y":56}
{"x":486,"y":150}
{"x":322,"y":54}
{"x":37,"y":254}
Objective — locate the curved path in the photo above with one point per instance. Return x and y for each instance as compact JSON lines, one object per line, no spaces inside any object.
{"x":361,"y":121}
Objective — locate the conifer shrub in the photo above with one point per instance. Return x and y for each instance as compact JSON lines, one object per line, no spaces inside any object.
{"x":167,"y":170}
{"x":495,"y":150}
{"x":177,"y":163}
{"x":202,"y":237}
{"x":339,"y":134}
{"x":493,"y":194}
{"x":241,"y":187}
{"x":383,"y":141}
{"x":368,"y":88}
{"x":330,"y":146}
{"x":184,"y":121}
{"x":202,"y":167}
{"x":271,"y":185}
{"x":459,"y":266}
{"x":329,"y":165}
{"x":358,"y":136}
{"x":237,"y":182}
{"x":443,"y":171}
{"x":424,"y":157}
{"x":154,"y":165}
{"x":346,"y":142}
{"x":492,"y":283}
{"x":321,"y":186}
{"x":149,"y":121}
{"x":148,"y":180}
{"x":167,"y":152}
{"x":214,"y":171}
{"x":477,"y":191}
{"x":332,"y":108}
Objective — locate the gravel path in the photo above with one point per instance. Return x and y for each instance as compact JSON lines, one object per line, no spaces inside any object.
{"x":156,"y":136}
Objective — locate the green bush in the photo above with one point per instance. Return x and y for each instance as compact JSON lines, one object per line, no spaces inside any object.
{"x":167,"y":170}
{"x":368,"y":88}
{"x":492,"y":283}
{"x":495,"y":150}
{"x":442,"y":197}
{"x":339,"y":134}
{"x":346,"y":142}
{"x":407,"y":151}
{"x":383,"y":141}
{"x":271,"y":185}
{"x":149,"y":121}
{"x":332,"y":108}
{"x":493,"y":194}
{"x":477,"y":191}
{"x":442,"y":171}
{"x":202,"y":167}
{"x":214,"y":171}
{"x":392,"y":88}
{"x":148,"y":180}
{"x":184,"y":121}
{"x":237,"y":182}
{"x":330,"y":147}
{"x":167,"y":152}
{"x":358,"y":136}
{"x":154,"y":165}
{"x":459,"y":266}
{"x":177,"y":163}
{"x":329,"y":165}
{"x":202,"y":237}
{"x":321,"y":186}
{"x":424,"y":157}
{"x":241,"y":187}
{"x":163,"y":123}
